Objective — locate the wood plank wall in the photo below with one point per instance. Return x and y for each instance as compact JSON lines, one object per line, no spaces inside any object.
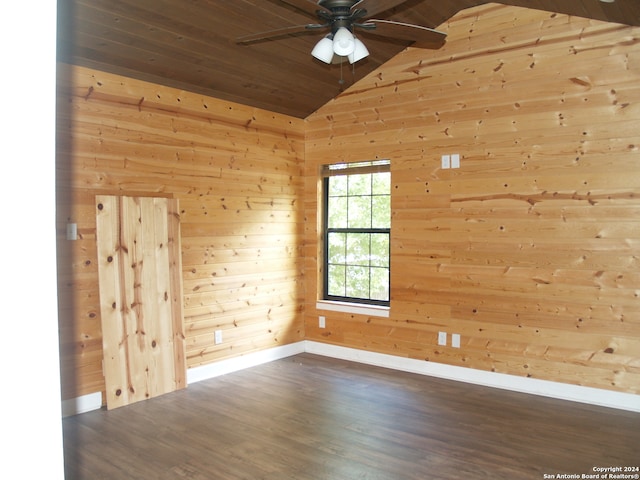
{"x":531,"y":250}
{"x":238,"y":175}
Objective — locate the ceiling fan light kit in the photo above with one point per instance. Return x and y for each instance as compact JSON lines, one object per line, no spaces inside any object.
{"x":342,"y":18}
{"x":343,"y":42}
{"x":341,"y":46}
{"x":323,"y":50}
{"x":360,"y":51}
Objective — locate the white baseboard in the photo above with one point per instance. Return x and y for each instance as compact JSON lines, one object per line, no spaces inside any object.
{"x":223,"y":367}
{"x":563,"y":391}
{"x":85,"y":403}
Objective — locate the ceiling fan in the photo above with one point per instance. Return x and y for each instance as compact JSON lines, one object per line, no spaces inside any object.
{"x":342,"y":18}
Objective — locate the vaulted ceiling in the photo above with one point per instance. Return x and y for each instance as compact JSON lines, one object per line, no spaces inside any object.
{"x":190,"y":44}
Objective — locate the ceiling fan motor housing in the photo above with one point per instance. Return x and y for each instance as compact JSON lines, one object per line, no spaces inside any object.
{"x":339,"y":13}
{"x":335,"y":4}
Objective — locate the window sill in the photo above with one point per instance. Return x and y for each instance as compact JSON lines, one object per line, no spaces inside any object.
{"x":357,"y":308}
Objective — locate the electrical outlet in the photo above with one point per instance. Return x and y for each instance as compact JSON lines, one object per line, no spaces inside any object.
{"x":442,"y":338}
{"x":455,"y":340}
{"x":218,"y":337}
{"x":455,"y":160}
{"x":322,"y":322}
{"x":446,"y":161}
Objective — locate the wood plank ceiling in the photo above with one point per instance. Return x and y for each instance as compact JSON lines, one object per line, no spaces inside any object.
{"x":189,"y":44}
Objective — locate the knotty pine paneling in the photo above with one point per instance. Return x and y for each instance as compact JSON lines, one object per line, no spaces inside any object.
{"x":237,"y":173}
{"x":531,"y":250}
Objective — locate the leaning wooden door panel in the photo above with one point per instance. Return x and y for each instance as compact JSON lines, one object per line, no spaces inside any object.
{"x":140,"y":297}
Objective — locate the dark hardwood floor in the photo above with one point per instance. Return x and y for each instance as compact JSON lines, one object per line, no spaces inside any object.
{"x":311,"y":417}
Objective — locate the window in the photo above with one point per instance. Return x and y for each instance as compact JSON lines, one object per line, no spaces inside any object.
{"x":357,"y":226}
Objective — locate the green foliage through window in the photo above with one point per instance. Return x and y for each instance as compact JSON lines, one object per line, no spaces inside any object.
{"x":357,"y":202}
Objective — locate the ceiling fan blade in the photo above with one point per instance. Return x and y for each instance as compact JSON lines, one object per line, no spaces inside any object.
{"x":280,"y":32}
{"x":373,"y":7}
{"x":309,"y":6}
{"x":422,"y":36}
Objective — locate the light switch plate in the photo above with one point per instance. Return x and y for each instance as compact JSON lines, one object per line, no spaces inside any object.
{"x":218,"y":337}
{"x":442,"y":338}
{"x":322,"y":322}
{"x":446,"y":161}
{"x":72,"y":231}
{"x":455,"y":340}
{"x":455,"y":160}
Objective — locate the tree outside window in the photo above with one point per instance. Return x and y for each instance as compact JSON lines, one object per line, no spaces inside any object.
{"x":357,"y":208}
